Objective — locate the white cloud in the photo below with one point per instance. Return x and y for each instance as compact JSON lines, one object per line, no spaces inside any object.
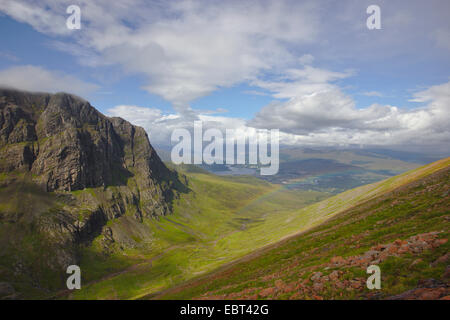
{"x":160,"y":126}
{"x":42,"y":18}
{"x":372,"y":94}
{"x":34,"y":78}
{"x":306,"y":59}
{"x":185,"y":49}
{"x":331,"y":117}
{"x":327,"y":118}
{"x":188,"y":49}
{"x":298,"y":82}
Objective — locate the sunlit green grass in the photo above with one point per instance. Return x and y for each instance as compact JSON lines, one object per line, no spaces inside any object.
{"x":223,"y":219}
{"x":409,"y":211}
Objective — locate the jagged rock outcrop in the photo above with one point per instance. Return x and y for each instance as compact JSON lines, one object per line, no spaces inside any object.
{"x":67,"y":145}
{"x":65,"y":171}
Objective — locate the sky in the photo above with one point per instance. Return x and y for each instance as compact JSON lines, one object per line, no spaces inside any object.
{"x":311,"y":69}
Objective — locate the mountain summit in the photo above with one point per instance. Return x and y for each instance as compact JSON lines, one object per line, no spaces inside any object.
{"x":66,"y":170}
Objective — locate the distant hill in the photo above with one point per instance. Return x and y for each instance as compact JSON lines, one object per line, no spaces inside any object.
{"x":330,"y":170}
{"x":400,"y":224}
{"x":337,"y":170}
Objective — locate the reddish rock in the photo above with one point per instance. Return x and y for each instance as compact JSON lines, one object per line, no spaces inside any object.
{"x":334,"y":275}
{"x":338,"y":260}
{"x":355,"y":284}
{"x":289,"y":288}
{"x":380,"y":247}
{"x":318,"y":286}
{"x":279,"y":284}
{"x":339,"y":285}
{"x":432,"y":294}
{"x":316,"y":276}
{"x":403,"y":249}
{"x":267,"y":292}
{"x":391,"y":249}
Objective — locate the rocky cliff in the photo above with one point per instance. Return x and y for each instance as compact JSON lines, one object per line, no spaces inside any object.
{"x":65,"y":171}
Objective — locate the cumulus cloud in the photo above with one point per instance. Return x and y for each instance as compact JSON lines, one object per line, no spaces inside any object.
{"x":42,"y":18}
{"x":185,"y":49}
{"x":331,"y":117}
{"x":35,"y":78}
{"x":327,"y":118}
{"x":301,"y":81}
{"x":160,"y":126}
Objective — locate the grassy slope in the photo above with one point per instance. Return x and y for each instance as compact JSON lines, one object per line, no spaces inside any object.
{"x":223,"y":220}
{"x":412,"y":203}
{"x":22,"y":206}
{"x":208,"y":228}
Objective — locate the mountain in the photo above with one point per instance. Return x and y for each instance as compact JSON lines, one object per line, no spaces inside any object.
{"x":77,"y":187}
{"x":336,"y":170}
{"x":400,"y":224}
{"x":65,"y":171}
{"x":327,"y":169}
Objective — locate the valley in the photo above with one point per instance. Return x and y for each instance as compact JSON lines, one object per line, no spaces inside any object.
{"x":77,"y":187}
{"x":403,"y":226}
{"x":208,"y":245}
{"x":222,"y":218}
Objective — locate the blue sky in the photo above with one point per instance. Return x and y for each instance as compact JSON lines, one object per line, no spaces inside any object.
{"x":310,"y":68}
{"x":24,"y":45}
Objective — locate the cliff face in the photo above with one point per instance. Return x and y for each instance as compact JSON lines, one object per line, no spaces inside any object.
{"x":69,"y":145}
{"x":65,"y":171}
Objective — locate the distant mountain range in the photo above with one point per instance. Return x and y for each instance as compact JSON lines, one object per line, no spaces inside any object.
{"x":327,"y":169}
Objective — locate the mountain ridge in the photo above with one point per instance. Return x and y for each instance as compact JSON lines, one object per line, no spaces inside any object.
{"x":65,"y":171}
